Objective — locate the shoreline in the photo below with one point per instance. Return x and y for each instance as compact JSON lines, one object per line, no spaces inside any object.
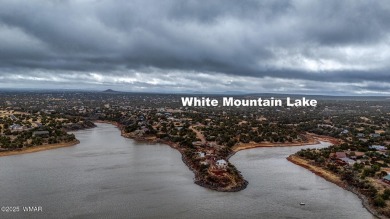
{"x":39,"y":148}
{"x":33,"y":149}
{"x":313,"y":139}
{"x":197,"y":178}
{"x":268,"y":145}
{"x":332,"y":140}
{"x":330,"y":177}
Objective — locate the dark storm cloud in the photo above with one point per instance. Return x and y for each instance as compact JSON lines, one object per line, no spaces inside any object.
{"x":328,"y":41}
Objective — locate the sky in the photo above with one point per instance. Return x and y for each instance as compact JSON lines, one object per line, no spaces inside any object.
{"x":328,"y":47}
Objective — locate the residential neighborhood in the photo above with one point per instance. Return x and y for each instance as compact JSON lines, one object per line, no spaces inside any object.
{"x":206,"y":138}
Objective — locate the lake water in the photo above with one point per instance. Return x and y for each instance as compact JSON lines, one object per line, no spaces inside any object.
{"x":108,"y":176}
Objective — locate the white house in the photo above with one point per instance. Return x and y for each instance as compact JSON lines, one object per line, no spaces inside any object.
{"x":348,"y":161}
{"x":204,"y":163}
{"x":378,"y":147}
{"x":201,"y":154}
{"x":221,"y":164}
{"x":16,"y":127}
{"x":197,"y":143}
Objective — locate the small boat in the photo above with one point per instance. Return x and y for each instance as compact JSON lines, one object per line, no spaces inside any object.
{"x":302,"y":203}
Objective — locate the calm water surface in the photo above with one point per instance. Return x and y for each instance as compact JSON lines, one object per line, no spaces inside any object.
{"x":107,"y":175}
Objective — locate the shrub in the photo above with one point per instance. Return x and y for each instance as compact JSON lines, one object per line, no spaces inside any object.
{"x":379,"y":202}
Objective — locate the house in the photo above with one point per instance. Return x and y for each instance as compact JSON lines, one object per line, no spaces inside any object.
{"x":341,"y":158}
{"x":378,"y":147}
{"x":348,"y":161}
{"x":204,"y":162}
{"x":37,"y":124}
{"x":16,"y":127}
{"x":374,"y":135}
{"x":386,"y":179}
{"x":197,"y":143}
{"x":360,"y":135}
{"x":201,"y":154}
{"x":363,"y":139}
{"x":139,"y":132}
{"x":340,"y":155}
{"x":36,"y":133}
{"x":355,"y":154}
{"x":211,"y":144}
{"x":13,"y":117}
{"x":210,"y":152}
{"x":221,"y":164}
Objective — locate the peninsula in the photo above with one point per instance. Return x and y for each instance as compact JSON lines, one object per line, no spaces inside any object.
{"x":207,"y":137}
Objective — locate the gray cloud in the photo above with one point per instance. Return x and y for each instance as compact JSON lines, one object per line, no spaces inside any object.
{"x":113,"y":43}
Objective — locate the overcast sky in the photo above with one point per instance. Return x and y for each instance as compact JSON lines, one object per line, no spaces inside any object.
{"x":303,"y":46}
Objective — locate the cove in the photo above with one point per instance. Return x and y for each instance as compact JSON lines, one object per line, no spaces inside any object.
{"x":107,"y":175}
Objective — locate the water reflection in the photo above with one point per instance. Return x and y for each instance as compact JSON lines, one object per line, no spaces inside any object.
{"x":107,"y":175}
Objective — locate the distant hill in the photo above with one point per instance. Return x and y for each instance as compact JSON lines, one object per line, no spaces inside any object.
{"x":110,"y":91}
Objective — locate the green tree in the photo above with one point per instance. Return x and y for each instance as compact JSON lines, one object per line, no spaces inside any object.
{"x":379,"y":202}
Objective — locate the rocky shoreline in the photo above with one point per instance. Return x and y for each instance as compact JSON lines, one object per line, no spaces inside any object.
{"x":197,"y":179}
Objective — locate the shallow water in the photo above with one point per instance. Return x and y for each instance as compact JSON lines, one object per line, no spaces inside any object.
{"x":107,"y":175}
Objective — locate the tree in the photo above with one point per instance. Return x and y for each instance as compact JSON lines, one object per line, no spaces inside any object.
{"x":379,"y":202}
{"x":382,"y":174}
{"x":386,"y":194}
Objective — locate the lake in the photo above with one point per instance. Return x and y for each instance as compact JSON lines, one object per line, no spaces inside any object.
{"x":108,"y":176}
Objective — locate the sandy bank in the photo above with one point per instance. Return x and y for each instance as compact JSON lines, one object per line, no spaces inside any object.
{"x":260,"y":145}
{"x":38,"y":148}
{"x":329,"y":176}
{"x":312,"y":140}
{"x":332,"y":140}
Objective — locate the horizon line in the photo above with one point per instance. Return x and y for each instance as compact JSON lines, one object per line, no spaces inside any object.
{"x":219,"y":93}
